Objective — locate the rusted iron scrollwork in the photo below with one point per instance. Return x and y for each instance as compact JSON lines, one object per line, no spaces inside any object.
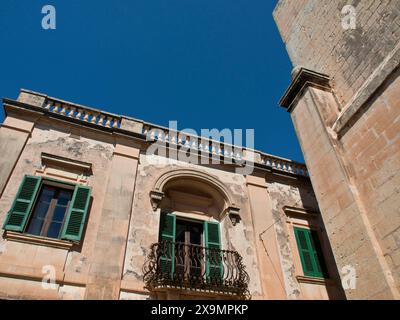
{"x":186,"y":266}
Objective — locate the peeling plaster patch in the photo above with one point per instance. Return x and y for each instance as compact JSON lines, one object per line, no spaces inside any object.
{"x":47,"y":137}
{"x":133,"y":273}
{"x":283,"y":195}
{"x":243,"y":246}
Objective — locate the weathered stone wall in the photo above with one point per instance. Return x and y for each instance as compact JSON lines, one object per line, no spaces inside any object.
{"x":314,"y":37}
{"x":123,"y":221}
{"x":262,"y":240}
{"x":349,"y":132}
{"x":26,"y":261}
{"x":372,"y":149}
{"x":301,"y":196}
{"x":145,"y":221}
{"x":282,"y":195}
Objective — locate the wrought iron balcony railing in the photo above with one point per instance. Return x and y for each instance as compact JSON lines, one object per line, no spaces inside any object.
{"x":186,"y":266}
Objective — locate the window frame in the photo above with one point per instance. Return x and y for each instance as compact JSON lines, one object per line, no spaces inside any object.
{"x":75,"y":219}
{"x":59,"y":187}
{"x":317,"y":257}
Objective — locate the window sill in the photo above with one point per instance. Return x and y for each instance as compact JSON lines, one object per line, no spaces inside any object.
{"x":27,"y":238}
{"x":314,"y":280}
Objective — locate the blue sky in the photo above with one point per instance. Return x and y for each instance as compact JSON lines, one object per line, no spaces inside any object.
{"x":205,"y":63}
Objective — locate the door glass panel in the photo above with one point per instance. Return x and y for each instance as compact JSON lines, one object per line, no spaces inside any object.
{"x":180,"y":231}
{"x":195,"y":231}
{"x":188,"y":251}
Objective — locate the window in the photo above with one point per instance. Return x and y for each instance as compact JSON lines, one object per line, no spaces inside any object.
{"x":49,"y":208}
{"x":190,"y":247}
{"x":48,"y":215}
{"x":310,"y":251}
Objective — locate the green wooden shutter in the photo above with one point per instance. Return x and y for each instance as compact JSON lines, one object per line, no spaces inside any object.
{"x":77,"y":212}
{"x":22,"y":205}
{"x":318,"y":254}
{"x":311,"y":256}
{"x":212,"y":239}
{"x":167,"y":234}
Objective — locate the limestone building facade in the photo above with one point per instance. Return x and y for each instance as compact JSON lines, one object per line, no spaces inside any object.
{"x":88,"y":212}
{"x":344,"y":101}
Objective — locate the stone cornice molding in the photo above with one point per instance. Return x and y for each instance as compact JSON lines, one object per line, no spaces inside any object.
{"x":303,"y":78}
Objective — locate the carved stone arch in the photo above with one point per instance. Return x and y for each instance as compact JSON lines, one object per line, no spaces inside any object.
{"x":194,"y":179}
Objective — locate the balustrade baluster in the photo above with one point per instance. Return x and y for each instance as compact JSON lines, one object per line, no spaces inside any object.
{"x":71,"y":112}
{"x":101,"y":120}
{"x":56,"y":108}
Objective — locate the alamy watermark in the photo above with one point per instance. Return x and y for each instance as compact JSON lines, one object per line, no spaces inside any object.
{"x":188,"y":146}
{"x":49,"y":279}
{"x":349,"y":279}
{"x":349,"y":17}
{"x":49,"y":18}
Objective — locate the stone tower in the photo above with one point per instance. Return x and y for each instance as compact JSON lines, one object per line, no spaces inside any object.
{"x":344,"y":101}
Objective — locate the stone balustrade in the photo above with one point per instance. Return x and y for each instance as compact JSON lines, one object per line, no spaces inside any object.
{"x":85,"y":114}
{"x":201,"y":145}
{"x":284,"y":165}
{"x":216,"y":148}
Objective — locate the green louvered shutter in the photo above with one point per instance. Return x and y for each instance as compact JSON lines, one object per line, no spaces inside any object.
{"x":321,"y":269}
{"x":22,"y":205}
{"x":311,"y":256}
{"x":167,"y":234}
{"x":77,"y":212}
{"x":212,"y":239}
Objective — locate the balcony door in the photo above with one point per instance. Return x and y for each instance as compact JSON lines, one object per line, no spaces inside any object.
{"x":188,"y":248}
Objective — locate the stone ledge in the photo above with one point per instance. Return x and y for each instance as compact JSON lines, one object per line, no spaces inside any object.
{"x":27,"y":273}
{"x":312,"y":280}
{"x":84,"y":167}
{"x":296,"y":211}
{"x":25,"y":238}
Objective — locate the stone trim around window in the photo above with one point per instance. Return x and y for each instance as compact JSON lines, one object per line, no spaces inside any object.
{"x":312,"y":280}
{"x":308,"y":219}
{"x":43,"y":241}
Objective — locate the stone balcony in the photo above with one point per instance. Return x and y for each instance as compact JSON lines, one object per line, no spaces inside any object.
{"x":175,"y":265}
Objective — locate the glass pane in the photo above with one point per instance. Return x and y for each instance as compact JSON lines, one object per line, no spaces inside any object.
{"x":59,"y":213}
{"x":54,"y":230}
{"x":46,"y":218}
{"x":180,"y":232}
{"x":195,"y":234}
{"x":41,"y":209}
{"x":47,"y":194}
{"x":64,"y":197}
{"x":35,"y":226}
